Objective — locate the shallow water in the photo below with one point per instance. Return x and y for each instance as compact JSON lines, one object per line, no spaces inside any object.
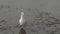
{"x":42,"y":16}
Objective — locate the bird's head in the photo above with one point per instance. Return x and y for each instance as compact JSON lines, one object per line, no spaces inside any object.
{"x":22,"y":13}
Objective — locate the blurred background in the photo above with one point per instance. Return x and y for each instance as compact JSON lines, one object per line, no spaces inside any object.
{"x":42,"y":16}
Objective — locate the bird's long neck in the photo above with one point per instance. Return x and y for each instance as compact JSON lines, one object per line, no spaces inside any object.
{"x":22,"y":16}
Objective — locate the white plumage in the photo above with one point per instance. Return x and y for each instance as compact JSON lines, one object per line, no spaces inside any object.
{"x":22,"y":19}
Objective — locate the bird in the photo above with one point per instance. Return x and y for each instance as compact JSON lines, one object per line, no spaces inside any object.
{"x":22,"y":19}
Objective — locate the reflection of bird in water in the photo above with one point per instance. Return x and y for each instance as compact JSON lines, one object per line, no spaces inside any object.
{"x":22,"y":22}
{"x":22,"y":31}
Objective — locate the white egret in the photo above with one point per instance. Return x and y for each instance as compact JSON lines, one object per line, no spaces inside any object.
{"x":22,"y":19}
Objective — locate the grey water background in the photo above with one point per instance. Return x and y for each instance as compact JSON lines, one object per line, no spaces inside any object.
{"x":43,"y":16}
